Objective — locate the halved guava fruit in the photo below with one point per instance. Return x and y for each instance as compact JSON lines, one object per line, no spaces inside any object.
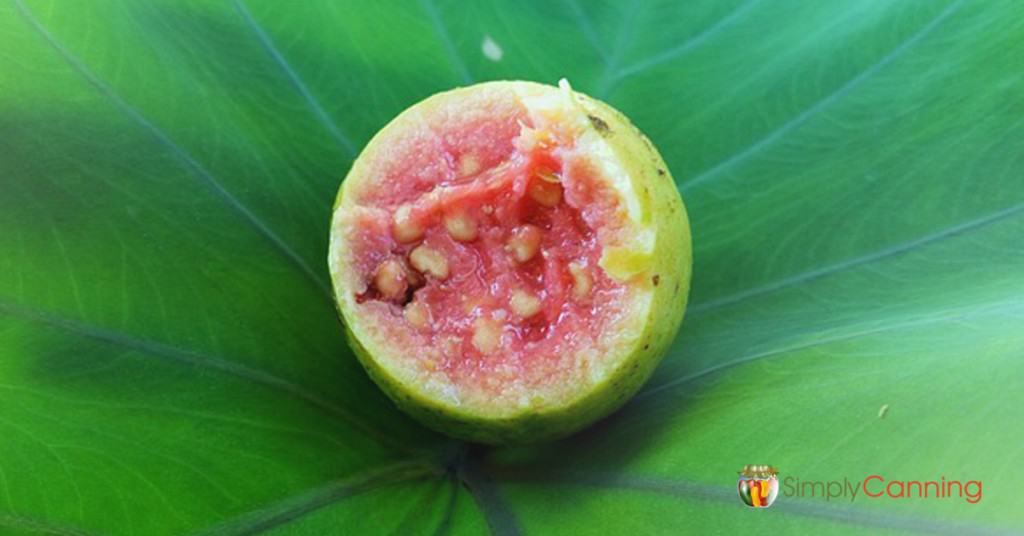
{"x":511,"y":260}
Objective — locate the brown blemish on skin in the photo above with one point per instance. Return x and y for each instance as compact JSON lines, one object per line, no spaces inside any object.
{"x":600,"y":125}
{"x":661,"y":172}
{"x":656,"y":279}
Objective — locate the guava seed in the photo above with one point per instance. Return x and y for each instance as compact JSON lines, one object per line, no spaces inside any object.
{"x":486,"y":335}
{"x":468,"y":165}
{"x":429,"y":261}
{"x":525,"y":242}
{"x":546,"y":191}
{"x":404,"y":228}
{"x":460,"y":226}
{"x":417,"y":314}
{"x":581,"y":280}
{"x":390,"y":280}
{"x":524,"y":304}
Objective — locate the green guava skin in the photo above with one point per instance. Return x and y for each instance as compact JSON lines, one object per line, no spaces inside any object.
{"x":669,"y":274}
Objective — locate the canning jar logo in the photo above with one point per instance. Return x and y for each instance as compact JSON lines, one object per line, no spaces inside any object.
{"x":758,"y":485}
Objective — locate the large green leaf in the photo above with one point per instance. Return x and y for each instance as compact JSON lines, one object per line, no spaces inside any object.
{"x":170,"y":361}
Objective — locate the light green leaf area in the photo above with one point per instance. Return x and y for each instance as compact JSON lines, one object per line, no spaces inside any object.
{"x":171,"y":362}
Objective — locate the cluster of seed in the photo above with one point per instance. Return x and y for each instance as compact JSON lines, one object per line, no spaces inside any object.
{"x":394,"y":278}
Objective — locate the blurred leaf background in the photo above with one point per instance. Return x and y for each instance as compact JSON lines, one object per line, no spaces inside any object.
{"x":171,"y":363}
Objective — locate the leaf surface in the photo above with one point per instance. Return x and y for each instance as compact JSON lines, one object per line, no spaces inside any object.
{"x":170,"y":359}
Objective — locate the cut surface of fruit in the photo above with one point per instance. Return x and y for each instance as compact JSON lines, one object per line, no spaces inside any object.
{"x":496,"y":261}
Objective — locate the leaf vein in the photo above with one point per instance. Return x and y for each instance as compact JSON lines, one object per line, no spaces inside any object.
{"x":293,"y":508}
{"x":687,"y":45}
{"x":605,"y":83}
{"x":188,"y":357}
{"x":1002,"y":307}
{"x":587,"y":27}
{"x":868,"y":258}
{"x":294,"y":78}
{"x":38,"y":526}
{"x":444,"y":527}
{"x":177,"y":150}
{"x":500,"y":519}
{"x":446,"y":40}
{"x":825,"y":102}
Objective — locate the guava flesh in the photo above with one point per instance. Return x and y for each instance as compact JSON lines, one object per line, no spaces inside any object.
{"x":510,"y":290}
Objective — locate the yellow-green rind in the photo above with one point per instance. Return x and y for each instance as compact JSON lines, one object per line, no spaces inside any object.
{"x":668,"y":277}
